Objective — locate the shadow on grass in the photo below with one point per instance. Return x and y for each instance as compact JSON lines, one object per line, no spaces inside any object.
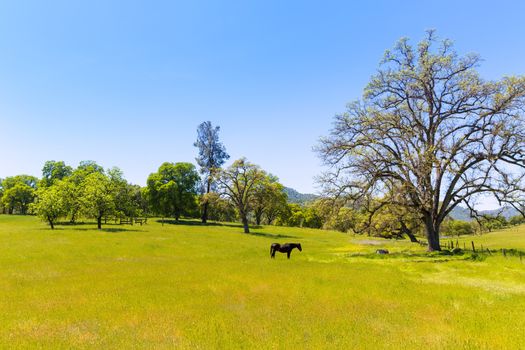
{"x":92,"y":229}
{"x":118,"y":230}
{"x":269,"y":235}
{"x":89,"y":223}
{"x":78,"y":223}
{"x":198,"y":223}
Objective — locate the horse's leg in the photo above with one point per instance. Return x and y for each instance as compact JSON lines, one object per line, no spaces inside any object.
{"x":288,"y":253}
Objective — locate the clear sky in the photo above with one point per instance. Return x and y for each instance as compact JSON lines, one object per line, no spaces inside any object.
{"x":125,"y":83}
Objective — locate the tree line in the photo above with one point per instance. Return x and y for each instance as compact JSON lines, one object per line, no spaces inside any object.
{"x":240,"y":192}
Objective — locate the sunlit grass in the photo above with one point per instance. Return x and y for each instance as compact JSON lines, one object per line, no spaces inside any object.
{"x":193,"y":286}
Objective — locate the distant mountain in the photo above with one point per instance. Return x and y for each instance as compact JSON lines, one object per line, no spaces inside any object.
{"x":461,"y":213}
{"x":299,"y":198}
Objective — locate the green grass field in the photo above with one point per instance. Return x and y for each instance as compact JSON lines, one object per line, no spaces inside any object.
{"x":203,"y":287}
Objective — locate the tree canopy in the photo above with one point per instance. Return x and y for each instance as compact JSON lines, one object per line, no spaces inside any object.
{"x":172,"y":190}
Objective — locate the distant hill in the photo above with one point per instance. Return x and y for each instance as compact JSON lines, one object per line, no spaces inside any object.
{"x":299,"y":198}
{"x":461,"y":213}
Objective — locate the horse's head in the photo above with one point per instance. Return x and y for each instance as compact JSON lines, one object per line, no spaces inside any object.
{"x":299,"y":247}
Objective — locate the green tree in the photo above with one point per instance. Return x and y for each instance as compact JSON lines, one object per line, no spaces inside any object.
{"x":127,"y":197}
{"x":429,"y":134}
{"x":268,"y":198}
{"x":172,"y":190}
{"x":238,"y":183}
{"x":220,"y":209}
{"x":212,"y":155}
{"x":312,"y":218}
{"x":53,"y":171}
{"x":18,"y":193}
{"x":516,"y":220}
{"x":2,"y":207}
{"x":75,"y":202}
{"x":296,"y":215}
{"x":457,"y":228}
{"x":51,"y":201}
{"x":98,"y":196}
{"x":489,"y":223}
{"x":343,"y":219}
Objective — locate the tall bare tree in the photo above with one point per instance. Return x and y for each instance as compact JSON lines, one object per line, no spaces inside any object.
{"x":428,"y":135}
{"x":212,"y":155}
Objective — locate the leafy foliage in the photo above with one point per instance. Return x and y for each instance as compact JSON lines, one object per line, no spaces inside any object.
{"x":172,"y":190}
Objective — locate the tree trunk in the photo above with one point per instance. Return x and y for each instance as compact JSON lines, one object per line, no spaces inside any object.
{"x":99,"y":222}
{"x":410,"y":235}
{"x":408,"y":232}
{"x":206,"y":204}
{"x":205,"y":212}
{"x":258,"y":217}
{"x":245,"y":223}
{"x":432,"y":235}
{"x":51,"y":223}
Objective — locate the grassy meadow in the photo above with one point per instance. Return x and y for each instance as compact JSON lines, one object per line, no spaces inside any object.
{"x":202,"y":287}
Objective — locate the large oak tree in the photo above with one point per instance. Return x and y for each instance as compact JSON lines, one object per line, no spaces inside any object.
{"x":428,"y":135}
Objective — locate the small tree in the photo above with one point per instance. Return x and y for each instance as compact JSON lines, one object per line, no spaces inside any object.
{"x":98,"y":196}
{"x":516,"y":220}
{"x":268,"y":198}
{"x":75,"y":186}
{"x":457,"y":228}
{"x":489,"y":223}
{"x":18,"y":198}
{"x":50,"y":202}
{"x":212,"y":155}
{"x":238,"y":182}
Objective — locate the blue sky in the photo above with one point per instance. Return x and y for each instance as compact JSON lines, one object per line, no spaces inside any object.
{"x":125,"y":83}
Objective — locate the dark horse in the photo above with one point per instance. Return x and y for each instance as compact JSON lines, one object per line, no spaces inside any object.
{"x":284,"y":248}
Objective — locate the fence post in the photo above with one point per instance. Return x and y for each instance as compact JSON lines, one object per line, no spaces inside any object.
{"x":473,"y":247}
